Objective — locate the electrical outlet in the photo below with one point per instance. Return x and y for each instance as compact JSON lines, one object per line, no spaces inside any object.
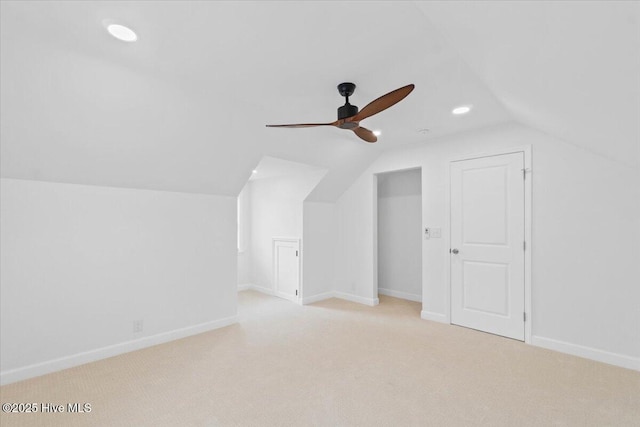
{"x":138,"y":326}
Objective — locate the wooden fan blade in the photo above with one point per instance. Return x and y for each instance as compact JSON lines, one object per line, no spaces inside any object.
{"x":303,"y":125}
{"x":365,"y":134}
{"x":382,"y":103}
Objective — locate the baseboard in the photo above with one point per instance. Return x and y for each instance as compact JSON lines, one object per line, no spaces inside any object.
{"x":616,"y":359}
{"x":399,"y":294}
{"x":356,"y":298}
{"x":342,"y":295}
{"x":254,"y":287}
{"x":319,"y":297}
{"x":66,"y":362}
{"x":436,"y":317}
{"x":262,"y":289}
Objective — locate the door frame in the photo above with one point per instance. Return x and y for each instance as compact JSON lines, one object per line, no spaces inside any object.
{"x":528,"y":211}
{"x":274,"y":263}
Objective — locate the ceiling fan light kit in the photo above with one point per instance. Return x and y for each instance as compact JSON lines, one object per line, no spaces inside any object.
{"x":349,"y":117}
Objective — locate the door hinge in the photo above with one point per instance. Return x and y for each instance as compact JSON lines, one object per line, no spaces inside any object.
{"x":296,"y":253}
{"x":296,"y":292}
{"x":524,"y":172}
{"x":524,"y":316}
{"x":524,"y":245}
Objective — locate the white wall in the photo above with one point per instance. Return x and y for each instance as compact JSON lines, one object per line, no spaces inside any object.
{"x":244,"y":224}
{"x":80,"y":263}
{"x":586,"y":239}
{"x":400,"y":235}
{"x":276,"y":211}
{"x":319,"y":234}
{"x":356,"y":243}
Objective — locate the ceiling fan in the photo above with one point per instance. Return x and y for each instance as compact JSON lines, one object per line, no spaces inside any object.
{"x":348,"y":115}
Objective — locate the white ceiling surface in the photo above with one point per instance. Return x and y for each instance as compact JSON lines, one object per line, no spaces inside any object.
{"x":184,"y":108}
{"x":270,"y":167}
{"x":571,"y":69}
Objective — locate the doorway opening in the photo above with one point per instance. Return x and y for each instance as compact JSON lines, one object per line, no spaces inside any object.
{"x":399,"y":236}
{"x":270,"y":227}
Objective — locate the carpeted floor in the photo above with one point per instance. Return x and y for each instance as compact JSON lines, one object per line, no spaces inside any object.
{"x":336,"y":363}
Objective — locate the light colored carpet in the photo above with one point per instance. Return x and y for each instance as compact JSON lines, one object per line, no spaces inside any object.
{"x":336,"y":363}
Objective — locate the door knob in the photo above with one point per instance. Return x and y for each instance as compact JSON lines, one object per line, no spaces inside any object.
{"x":454,"y":251}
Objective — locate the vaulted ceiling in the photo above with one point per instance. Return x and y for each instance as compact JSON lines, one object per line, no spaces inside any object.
{"x":571,"y":69}
{"x":184,"y":107}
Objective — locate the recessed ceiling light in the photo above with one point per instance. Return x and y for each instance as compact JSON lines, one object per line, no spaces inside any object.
{"x":122,"y":33}
{"x":377,"y":133}
{"x":463,"y":109}
{"x":254,"y":171}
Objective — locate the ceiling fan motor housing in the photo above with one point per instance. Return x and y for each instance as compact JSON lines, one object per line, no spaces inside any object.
{"x":347,"y":110}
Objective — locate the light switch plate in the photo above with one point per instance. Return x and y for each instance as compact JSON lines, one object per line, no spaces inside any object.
{"x":436,"y":233}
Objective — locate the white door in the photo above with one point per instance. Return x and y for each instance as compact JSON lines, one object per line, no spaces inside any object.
{"x":487,"y":244}
{"x":286,"y":268}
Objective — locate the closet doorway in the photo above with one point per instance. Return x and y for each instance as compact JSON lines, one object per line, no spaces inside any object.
{"x":399,"y":215}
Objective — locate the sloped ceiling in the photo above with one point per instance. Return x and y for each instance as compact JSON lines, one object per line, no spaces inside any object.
{"x":270,"y":167}
{"x":569,"y":68}
{"x":184,"y":108}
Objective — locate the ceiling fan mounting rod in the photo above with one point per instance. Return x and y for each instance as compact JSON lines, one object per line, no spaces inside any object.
{"x":347,"y":110}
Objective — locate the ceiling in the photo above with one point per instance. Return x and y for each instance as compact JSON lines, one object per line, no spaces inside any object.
{"x":270,"y":167}
{"x":568,"y":68}
{"x":184,"y":108}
